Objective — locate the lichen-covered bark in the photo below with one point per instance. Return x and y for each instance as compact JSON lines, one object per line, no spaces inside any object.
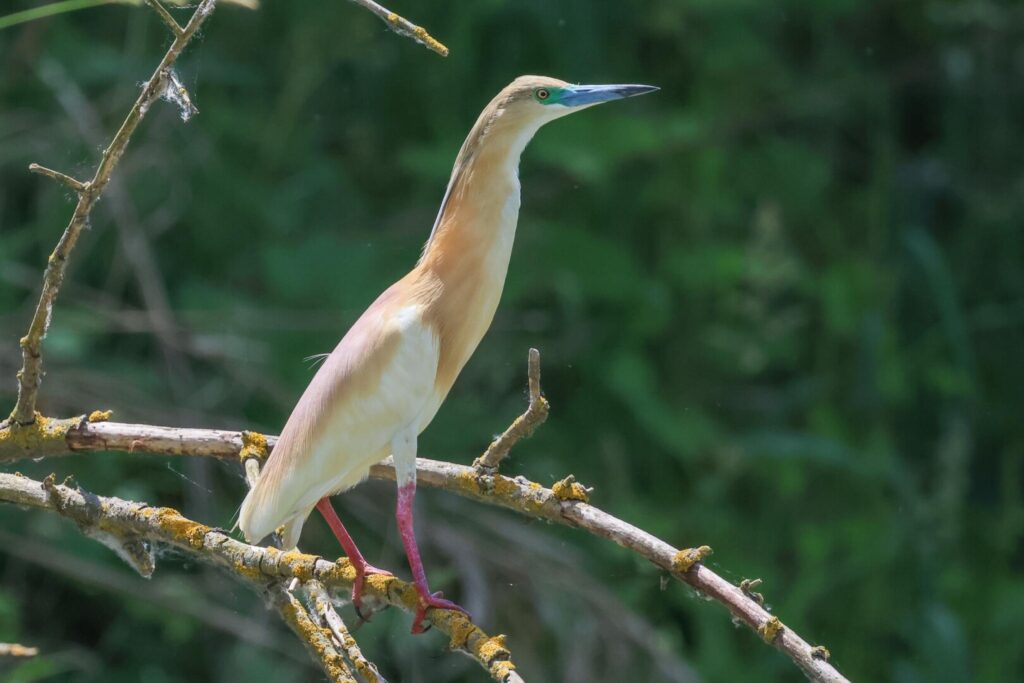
{"x":127,"y":521}
{"x":323,"y":607}
{"x":564,"y":506}
{"x":316,"y":639}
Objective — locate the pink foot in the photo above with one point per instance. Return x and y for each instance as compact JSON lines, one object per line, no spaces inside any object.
{"x":431,"y":601}
{"x":357,"y":585}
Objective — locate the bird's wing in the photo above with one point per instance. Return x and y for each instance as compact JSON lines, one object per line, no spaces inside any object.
{"x":378,"y":380}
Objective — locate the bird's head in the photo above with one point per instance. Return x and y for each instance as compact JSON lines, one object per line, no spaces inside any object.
{"x":539,"y":99}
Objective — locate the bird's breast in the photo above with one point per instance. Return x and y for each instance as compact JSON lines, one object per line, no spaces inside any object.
{"x":467,"y":260}
{"x":461,"y":313}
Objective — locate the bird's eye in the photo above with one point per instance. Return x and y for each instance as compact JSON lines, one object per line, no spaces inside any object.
{"x":542,"y":94}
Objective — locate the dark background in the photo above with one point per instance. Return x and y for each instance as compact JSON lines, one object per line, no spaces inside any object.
{"x":780,"y":306}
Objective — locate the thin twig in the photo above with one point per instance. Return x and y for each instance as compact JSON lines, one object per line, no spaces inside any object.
{"x":404,"y":27}
{"x":30,"y":375}
{"x":518,"y":494}
{"x":523,"y":426}
{"x":173,"y":25}
{"x":133,"y":237}
{"x":73,"y":183}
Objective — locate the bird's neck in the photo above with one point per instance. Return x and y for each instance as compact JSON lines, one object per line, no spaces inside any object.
{"x":462,"y":271}
{"x":476,"y":225}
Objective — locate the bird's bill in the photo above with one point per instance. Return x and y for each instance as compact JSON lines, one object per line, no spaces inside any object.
{"x":580,"y":95}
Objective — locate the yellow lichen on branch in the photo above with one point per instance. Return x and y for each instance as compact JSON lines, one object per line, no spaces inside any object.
{"x":41,"y":437}
{"x":323,"y":608}
{"x":518,"y":494}
{"x":254,"y":445}
{"x":684,"y":560}
{"x":404,"y":27}
{"x":253,"y":453}
{"x":316,"y":638}
{"x":570,"y":489}
{"x":770,"y":629}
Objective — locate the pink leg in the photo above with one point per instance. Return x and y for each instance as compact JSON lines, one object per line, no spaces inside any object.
{"x":354,"y":556}
{"x":403,"y":514}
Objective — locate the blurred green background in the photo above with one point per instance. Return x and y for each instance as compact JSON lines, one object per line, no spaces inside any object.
{"x":780,"y":306}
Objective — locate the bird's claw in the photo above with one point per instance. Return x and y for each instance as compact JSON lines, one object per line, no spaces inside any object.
{"x":428,"y":601}
{"x":357,"y":586}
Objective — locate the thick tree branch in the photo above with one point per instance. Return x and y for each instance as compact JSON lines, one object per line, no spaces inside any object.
{"x":30,"y":375}
{"x":122,"y":522}
{"x":564,"y":503}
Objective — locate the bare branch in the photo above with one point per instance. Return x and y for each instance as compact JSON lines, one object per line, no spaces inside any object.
{"x":561,"y":504}
{"x":166,"y":17}
{"x":404,"y":27}
{"x":523,"y":426}
{"x":73,"y":183}
{"x":30,"y":375}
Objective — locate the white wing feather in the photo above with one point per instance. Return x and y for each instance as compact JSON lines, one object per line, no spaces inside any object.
{"x":332,"y":451}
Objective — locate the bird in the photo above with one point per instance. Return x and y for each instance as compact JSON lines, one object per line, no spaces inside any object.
{"x":389,"y":374}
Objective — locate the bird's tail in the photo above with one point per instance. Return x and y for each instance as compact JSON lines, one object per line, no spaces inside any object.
{"x":256,"y":526}
{"x":252,"y":518}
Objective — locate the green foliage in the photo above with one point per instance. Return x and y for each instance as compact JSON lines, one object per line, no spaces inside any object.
{"x":780,"y":307}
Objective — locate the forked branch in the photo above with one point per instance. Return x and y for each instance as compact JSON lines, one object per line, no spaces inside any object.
{"x":523,"y":426}
{"x":31,"y":373}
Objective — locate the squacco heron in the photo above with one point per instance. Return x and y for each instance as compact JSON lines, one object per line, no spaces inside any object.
{"x":384,"y":382}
